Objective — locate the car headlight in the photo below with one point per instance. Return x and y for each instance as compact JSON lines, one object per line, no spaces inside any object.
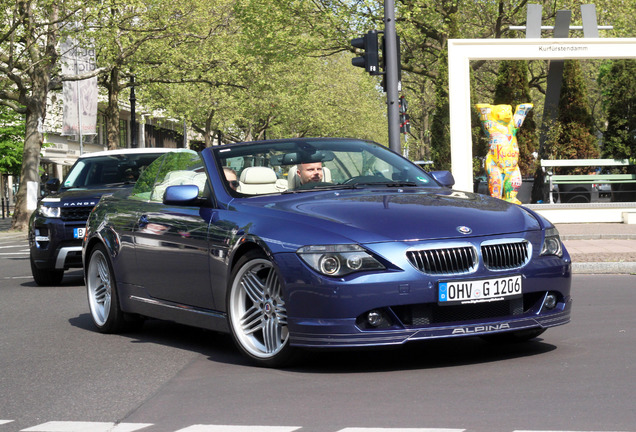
{"x":50,"y":212}
{"x":338,"y":260}
{"x":552,"y":243}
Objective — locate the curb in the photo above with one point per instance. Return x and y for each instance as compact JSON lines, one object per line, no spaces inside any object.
{"x":565,"y":237}
{"x":624,"y":268}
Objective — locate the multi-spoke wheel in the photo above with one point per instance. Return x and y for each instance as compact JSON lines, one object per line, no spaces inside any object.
{"x":257,"y":313}
{"x":102,"y":293}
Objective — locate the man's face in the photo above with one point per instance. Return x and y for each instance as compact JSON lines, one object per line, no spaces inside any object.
{"x":310,"y":172}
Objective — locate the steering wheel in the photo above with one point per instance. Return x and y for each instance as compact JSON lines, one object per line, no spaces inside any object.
{"x":312,"y":185}
{"x":365,"y":179}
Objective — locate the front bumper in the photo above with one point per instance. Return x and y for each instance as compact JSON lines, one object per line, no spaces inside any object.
{"x":52,"y":243}
{"x":345,"y":333}
{"x":332,"y":312}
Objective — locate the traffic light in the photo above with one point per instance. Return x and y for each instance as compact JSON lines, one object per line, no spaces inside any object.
{"x":369,"y":59}
{"x":405,"y":119}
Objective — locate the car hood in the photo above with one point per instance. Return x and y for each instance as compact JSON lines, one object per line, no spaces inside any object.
{"x":409,"y":214}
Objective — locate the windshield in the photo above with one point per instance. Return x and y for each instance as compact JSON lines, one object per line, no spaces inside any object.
{"x":91,"y":172}
{"x":310,"y":164}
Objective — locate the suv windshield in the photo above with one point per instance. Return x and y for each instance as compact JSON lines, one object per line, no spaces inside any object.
{"x":106,"y":170}
{"x":291,"y":165}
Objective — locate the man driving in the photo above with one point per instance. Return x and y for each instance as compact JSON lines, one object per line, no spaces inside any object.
{"x":310,"y":172}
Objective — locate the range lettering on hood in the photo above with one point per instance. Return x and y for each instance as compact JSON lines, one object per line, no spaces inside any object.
{"x":80,"y":204}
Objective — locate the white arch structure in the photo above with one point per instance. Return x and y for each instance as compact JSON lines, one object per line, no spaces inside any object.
{"x":462,"y":51}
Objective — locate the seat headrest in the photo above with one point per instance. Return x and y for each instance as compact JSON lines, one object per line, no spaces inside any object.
{"x":258,"y":175}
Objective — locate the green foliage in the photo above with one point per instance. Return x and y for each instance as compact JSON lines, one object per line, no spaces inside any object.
{"x":440,"y":126}
{"x":11,"y":141}
{"x":619,"y":90}
{"x":574,"y":136}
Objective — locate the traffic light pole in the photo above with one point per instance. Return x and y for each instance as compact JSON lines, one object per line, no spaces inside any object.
{"x":393,"y":110}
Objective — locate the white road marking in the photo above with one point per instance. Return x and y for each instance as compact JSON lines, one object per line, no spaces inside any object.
{"x":69,"y":426}
{"x":234,"y":428}
{"x":74,"y":426}
{"x":358,"y":429}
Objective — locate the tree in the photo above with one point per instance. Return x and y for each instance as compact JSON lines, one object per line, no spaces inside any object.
{"x":29,"y":34}
{"x":619,"y":100}
{"x":145,"y":39}
{"x":573,"y":135}
{"x":440,"y":127}
{"x":11,"y":141}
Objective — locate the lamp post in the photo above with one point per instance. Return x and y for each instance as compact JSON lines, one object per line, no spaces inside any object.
{"x":133,"y":123}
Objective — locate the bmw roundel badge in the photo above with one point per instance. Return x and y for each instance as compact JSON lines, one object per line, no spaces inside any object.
{"x":464,"y":229}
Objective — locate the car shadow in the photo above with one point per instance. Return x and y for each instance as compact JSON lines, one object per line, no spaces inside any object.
{"x":71,"y":278}
{"x":433,"y":354}
{"x":216,"y":346}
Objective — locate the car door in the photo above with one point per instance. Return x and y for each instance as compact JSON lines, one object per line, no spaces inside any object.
{"x":171,"y":244}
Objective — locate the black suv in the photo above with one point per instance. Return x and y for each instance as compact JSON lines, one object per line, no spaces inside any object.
{"x":57,"y":227}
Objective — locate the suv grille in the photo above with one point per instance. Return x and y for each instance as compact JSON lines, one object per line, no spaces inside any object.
{"x":75,"y":213}
{"x":505,"y":256}
{"x":444,"y":261}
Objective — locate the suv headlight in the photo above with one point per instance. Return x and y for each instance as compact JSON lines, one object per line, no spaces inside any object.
{"x":50,"y":212}
{"x":338,"y":260}
{"x":552,"y":243}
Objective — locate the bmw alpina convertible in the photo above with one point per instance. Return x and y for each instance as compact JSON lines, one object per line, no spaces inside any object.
{"x":320,"y":243}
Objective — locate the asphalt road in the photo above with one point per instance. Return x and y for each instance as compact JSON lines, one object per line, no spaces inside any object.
{"x":54,"y":369}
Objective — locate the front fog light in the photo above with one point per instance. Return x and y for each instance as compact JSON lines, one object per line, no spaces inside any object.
{"x":375,"y":318}
{"x":550,"y":301}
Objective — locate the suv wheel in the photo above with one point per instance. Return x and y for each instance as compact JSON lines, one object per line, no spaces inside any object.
{"x":44,"y":277}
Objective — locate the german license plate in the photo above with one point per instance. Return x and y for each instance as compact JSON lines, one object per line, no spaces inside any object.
{"x":479,"y":291}
{"x":79,"y":233}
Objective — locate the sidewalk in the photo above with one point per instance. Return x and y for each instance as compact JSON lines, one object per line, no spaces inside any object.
{"x":596,"y":248}
{"x":600,"y":248}
{"x":5,"y":226}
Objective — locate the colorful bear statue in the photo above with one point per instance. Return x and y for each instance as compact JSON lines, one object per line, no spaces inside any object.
{"x":502,"y":161}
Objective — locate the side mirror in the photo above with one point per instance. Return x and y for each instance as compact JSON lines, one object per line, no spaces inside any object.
{"x":445,"y":178}
{"x":183,"y":195}
{"x":52,"y":185}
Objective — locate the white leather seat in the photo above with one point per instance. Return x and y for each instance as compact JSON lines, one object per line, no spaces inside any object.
{"x":293,"y":180}
{"x":258,"y":180}
{"x":181,"y":177}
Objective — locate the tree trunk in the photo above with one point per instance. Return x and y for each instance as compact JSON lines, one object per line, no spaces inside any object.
{"x":208,"y":129}
{"x":112,"y":111}
{"x":36,"y":111}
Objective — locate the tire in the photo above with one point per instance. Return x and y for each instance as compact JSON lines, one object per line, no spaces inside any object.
{"x":514,"y":336}
{"x":101,"y":288}
{"x":44,"y":277}
{"x":256,"y":312}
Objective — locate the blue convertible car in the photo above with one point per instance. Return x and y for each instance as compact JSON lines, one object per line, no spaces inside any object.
{"x":320,"y":243}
